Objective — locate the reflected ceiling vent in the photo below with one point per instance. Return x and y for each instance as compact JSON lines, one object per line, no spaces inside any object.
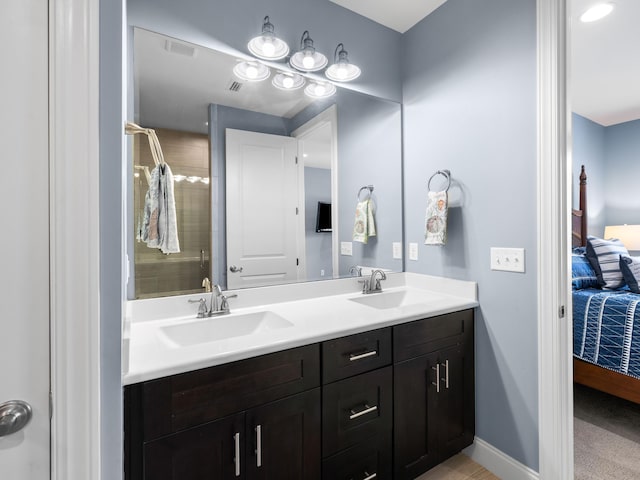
{"x":179,"y":48}
{"x":234,"y":86}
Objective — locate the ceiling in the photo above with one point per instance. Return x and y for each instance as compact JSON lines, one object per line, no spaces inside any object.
{"x":605,"y":59}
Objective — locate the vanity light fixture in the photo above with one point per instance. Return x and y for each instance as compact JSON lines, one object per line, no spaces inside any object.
{"x":307,"y":59}
{"x":267,"y":46}
{"x":320,"y":89}
{"x":341,"y":70}
{"x":287,"y":81}
{"x":596,"y":12}
{"x":251,"y":71}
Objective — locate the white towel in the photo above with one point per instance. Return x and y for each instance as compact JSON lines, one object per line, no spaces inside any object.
{"x":160,"y":228}
{"x":364,"y":225}
{"x":435,"y":223}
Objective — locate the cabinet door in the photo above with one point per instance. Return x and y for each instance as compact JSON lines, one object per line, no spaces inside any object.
{"x":283,"y":439}
{"x":213,"y":450}
{"x":415,"y":416}
{"x":456,"y":402}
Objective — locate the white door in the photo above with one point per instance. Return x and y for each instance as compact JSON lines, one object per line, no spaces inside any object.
{"x":24,"y":200}
{"x":262,"y":207}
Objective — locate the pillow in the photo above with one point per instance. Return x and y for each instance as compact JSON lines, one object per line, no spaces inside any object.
{"x":582,"y":273}
{"x":604,"y":257}
{"x":630,"y":267}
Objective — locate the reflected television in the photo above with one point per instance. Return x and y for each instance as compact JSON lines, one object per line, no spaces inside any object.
{"x":323,"y":217}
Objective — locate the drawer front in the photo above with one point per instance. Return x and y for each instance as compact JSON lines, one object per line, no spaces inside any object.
{"x":181,"y":401}
{"x":348,"y":356}
{"x":417,"y":338}
{"x":356,"y":409}
{"x":366,"y":461}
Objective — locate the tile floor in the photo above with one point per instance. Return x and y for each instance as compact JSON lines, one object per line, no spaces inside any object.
{"x":459,"y":467}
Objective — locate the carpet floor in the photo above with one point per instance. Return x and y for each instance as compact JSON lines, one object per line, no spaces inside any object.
{"x":606,"y":436}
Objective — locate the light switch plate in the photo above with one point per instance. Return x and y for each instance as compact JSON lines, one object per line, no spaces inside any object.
{"x":413,"y":251}
{"x":397,"y":250}
{"x":507,"y":259}
{"x":346,"y":248}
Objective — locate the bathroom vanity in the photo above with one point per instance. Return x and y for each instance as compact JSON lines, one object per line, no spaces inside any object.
{"x":387,"y":394}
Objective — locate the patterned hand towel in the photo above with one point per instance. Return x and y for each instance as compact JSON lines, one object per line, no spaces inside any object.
{"x":159,"y":227}
{"x":435,"y":231}
{"x":364,"y":226}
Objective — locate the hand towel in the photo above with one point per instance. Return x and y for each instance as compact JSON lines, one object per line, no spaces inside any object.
{"x":364,"y":225}
{"x":435,"y":224}
{"x":160,"y":227}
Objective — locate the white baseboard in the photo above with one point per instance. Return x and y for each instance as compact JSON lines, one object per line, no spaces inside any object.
{"x":498,"y":462}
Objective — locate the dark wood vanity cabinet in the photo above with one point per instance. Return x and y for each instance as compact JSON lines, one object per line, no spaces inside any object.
{"x":434,"y":404}
{"x":388,"y":403}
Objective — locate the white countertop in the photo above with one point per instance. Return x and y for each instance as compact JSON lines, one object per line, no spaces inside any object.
{"x":317,"y":311}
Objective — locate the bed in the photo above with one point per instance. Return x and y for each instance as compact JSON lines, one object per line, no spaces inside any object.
{"x":606,"y":323}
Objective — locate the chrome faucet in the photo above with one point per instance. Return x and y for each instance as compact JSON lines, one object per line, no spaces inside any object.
{"x":219,"y":302}
{"x":355,"y":271}
{"x":373,"y":284}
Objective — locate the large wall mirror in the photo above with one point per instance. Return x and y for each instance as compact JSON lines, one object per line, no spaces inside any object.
{"x":266,"y":181}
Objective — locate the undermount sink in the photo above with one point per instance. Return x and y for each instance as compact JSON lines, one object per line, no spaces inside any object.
{"x":223,"y":327}
{"x":385,"y":300}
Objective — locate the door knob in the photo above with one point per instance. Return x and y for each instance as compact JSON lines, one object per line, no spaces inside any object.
{"x":14,"y":415}
{"x":235,"y":269}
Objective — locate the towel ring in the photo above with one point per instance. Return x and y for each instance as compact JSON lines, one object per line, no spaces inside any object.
{"x":446,"y":174}
{"x":366,"y":187}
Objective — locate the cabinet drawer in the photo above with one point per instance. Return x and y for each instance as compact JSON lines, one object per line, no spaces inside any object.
{"x":368,"y":460}
{"x":424,"y":336}
{"x":356,"y":409}
{"x":348,"y":356}
{"x":181,"y":401}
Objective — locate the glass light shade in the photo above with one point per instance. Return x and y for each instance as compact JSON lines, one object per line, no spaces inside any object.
{"x":596,"y":12}
{"x":320,"y":90}
{"x":629,"y":235}
{"x":307,"y":59}
{"x":287,"y":81}
{"x":267,"y":46}
{"x":342,"y":70}
{"x":251,"y":71}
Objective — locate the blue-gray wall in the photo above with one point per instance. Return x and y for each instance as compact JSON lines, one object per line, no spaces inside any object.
{"x":622,"y":167}
{"x":611,"y":156}
{"x":588,"y":149}
{"x":111,"y":93}
{"x":469,"y":95}
{"x":317,"y":188}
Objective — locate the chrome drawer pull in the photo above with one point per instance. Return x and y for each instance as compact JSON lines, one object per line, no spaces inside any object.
{"x":353,"y":357}
{"x":369,"y":477}
{"x":367,"y":409}
{"x":446,"y":373}
{"x":437,"y":382}
{"x":236,"y":438}
{"x":258,"y":445}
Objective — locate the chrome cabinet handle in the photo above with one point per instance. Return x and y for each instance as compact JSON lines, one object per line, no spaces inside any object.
{"x":258,"y":445}
{"x":437,"y":382}
{"x":446,"y":374}
{"x":236,"y":439}
{"x":355,"y":356}
{"x":235,"y":269}
{"x":14,"y":416}
{"x":367,"y":409}
{"x":369,"y":477}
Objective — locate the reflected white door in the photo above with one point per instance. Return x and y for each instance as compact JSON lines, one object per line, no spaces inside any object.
{"x":24,"y":196}
{"x":262,"y":207}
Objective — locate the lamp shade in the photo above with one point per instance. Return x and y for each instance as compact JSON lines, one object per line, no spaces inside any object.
{"x":251,"y":71}
{"x":267,"y":46}
{"x":341,"y":70}
{"x":629,"y":235}
{"x":320,"y":90}
{"x":307,"y":59}
{"x":288,"y":81}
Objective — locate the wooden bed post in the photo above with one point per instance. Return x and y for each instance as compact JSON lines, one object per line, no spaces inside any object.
{"x":583,"y":206}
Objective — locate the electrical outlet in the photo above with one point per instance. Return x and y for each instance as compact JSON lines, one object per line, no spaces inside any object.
{"x":507,"y":259}
{"x":322,"y":273}
{"x":413,"y":251}
{"x":397,"y":250}
{"x":346,"y":248}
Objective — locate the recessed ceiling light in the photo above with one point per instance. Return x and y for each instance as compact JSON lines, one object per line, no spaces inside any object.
{"x":596,"y":12}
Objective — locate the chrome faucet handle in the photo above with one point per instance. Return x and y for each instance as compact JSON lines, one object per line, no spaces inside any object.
{"x":202,"y":307}
{"x":224,"y":304}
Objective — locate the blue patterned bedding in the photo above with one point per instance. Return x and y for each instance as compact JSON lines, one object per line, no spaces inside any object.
{"x":606,"y":329}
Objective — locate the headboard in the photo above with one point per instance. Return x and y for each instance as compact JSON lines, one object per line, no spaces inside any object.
{"x":579,"y":215}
